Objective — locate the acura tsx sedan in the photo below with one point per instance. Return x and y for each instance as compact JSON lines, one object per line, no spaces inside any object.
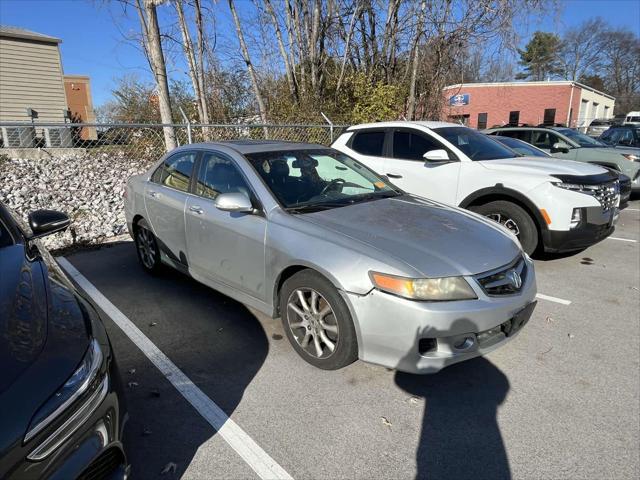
{"x":61,"y":402}
{"x":354,"y":267}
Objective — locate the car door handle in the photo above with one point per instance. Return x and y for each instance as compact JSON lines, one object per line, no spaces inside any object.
{"x":196,"y":209}
{"x":391,"y":175}
{"x":153,"y":194}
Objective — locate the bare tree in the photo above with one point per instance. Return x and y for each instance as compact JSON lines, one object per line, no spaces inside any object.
{"x":582,"y":48}
{"x":251,"y":70}
{"x":415,"y":58}
{"x":152,"y":43}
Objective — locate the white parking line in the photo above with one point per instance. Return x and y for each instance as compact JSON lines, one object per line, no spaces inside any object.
{"x":631,"y":210}
{"x":553,"y":299}
{"x":259,"y":460}
{"x":623,"y":239}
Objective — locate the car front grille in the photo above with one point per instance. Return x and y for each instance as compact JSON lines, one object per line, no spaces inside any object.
{"x":507,"y":280}
{"x":104,"y":465}
{"x":608,"y":195}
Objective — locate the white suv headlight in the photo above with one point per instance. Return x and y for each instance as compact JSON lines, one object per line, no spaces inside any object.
{"x":576,"y":187}
{"x":433,"y":289}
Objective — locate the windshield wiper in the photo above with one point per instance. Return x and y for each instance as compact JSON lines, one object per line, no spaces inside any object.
{"x":314,"y":207}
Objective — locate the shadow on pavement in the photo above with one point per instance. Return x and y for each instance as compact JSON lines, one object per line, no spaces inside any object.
{"x":460,"y":437}
{"x":213,"y":339}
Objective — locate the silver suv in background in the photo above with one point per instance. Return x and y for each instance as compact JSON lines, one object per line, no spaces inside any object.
{"x":355,"y":267}
{"x":598,"y":126}
{"x":570,"y":144}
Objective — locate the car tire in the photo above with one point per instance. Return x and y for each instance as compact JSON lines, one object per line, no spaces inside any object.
{"x":312,"y":327}
{"x":147,"y":248}
{"x":513,"y":217}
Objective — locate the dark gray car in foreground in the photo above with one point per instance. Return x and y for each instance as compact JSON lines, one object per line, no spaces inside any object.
{"x":61,"y":402}
{"x":355,"y":267}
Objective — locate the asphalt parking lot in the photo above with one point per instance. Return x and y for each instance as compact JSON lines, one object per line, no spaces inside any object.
{"x":560,"y":401}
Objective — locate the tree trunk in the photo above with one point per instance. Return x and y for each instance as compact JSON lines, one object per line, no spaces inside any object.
{"x":187,"y":47}
{"x":200,"y":64}
{"x":411,"y":103}
{"x":252,"y":72}
{"x":151,"y":32}
{"x":283,"y":52}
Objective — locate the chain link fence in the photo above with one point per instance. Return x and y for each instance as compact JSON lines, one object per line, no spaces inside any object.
{"x":144,"y":141}
{"x":81,"y":169}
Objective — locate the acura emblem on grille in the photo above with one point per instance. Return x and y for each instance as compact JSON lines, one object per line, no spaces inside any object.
{"x":515,"y":279}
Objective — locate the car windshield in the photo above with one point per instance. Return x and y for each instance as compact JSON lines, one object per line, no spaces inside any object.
{"x":518,"y":146}
{"x":318,"y":179}
{"x":580,"y":138}
{"x":474,"y":145}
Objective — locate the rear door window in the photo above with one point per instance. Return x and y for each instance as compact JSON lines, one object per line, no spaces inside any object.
{"x":175,"y":172}
{"x":369,"y":143}
{"x":412,"y":146}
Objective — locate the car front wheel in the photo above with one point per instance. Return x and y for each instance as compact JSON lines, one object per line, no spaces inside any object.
{"x":147,"y":248}
{"x":514,"y":218}
{"x":317,"y":321}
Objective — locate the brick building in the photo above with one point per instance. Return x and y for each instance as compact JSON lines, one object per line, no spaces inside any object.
{"x":78,"y":92}
{"x":483,"y":105}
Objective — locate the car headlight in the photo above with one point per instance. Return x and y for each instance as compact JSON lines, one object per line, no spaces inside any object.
{"x":74,"y":387}
{"x":434,"y":289}
{"x":576,"y":187}
{"x":631,"y":157}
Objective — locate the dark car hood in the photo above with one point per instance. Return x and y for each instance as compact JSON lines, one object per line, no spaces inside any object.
{"x":434,"y":239}
{"x":43,"y":336}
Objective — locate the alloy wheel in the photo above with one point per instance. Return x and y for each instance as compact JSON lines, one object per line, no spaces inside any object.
{"x":312,"y":322}
{"x":505,"y":221}
{"x":146,"y":247}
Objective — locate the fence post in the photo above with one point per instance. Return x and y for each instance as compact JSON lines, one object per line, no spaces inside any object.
{"x":186,"y":120}
{"x":330,"y":125}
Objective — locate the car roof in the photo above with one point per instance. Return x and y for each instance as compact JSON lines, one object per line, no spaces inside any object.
{"x":245,"y":146}
{"x":403,"y":123}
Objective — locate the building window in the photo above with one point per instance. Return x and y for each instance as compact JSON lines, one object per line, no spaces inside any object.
{"x":549,"y":116}
{"x":514,"y":118}
{"x":482,"y":121}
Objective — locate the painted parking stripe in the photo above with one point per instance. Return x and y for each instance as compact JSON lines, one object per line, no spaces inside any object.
{"x":631,"y":210}
{"x":238,"y":439}
{"x":548,"y":298}
{"x":623,"y":239}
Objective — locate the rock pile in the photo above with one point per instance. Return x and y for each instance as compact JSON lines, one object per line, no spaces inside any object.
{"x":88,"y":187}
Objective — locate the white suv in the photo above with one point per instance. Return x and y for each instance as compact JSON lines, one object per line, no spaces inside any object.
{"x":558,"y":205}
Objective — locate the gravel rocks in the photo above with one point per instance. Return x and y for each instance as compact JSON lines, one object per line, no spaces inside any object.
{"x":88,"y":187}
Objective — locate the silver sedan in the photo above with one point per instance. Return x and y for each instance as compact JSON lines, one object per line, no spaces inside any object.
{"x":354,"y":267}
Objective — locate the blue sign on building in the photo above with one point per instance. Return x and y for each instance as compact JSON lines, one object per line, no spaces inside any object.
{"x":459,"y":100}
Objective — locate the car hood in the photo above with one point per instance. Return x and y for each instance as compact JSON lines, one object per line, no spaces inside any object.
{"x":434,"y":239}
{"x":543,"y":166}
{"x":43,"y":336}
{"x":612,"y":150}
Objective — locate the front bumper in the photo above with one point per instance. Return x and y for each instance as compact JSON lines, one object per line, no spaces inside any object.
{"x":425,"y":337}
{"x":596,"y":225}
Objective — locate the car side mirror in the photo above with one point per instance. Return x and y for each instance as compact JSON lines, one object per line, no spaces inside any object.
{"x":47,"y":222}
{"x":234,"y":202}
{"x":439,"y":155}
{"x":560,"y":147}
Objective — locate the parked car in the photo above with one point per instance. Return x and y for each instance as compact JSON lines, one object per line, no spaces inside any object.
{"x":527,"y":150}
{"x":559,"y":206}
{"x":573,"y":145}
{"x":632,"y":118}
{"x":355,"y":267}
{"x":622,"y":136}
{"x":61,"y":402}
{"x":598,"y":126}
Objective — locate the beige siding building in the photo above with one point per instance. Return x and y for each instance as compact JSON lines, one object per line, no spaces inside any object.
{"x":30,"y":77}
